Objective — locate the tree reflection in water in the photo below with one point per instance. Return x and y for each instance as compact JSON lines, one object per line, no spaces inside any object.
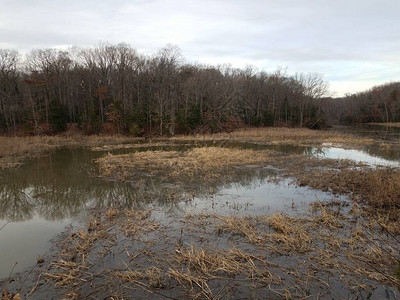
{"x":60,"y":186}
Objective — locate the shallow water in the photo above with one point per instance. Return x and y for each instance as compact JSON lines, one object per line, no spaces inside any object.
{"x":361,"y":156}
{"x":259,"y":197}
{"x":43,"y":197}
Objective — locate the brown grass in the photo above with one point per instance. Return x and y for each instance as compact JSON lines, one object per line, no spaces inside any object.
{"x":327,"y":239}
{"x":72,"y":266}
{"x":205,"y":161}
{"x":13,"y":150}
{"x":350,"y":248}
{"x":386,"y":124}
{"x":193,"y":269}
{"x":137,"y":222}
{"x":288,"y":234}
{"x":379,"y":188}
{"x":281,"y":135}
{"x":322,"y":245}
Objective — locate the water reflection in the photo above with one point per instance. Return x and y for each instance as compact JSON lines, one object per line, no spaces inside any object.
{"x":390,"y":153}
{"x":59,"y":186}
{"x":355,"y":155}
{"x":56,"y":187}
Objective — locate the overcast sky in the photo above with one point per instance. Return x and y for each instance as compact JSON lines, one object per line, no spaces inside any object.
{"x":354,"y":44}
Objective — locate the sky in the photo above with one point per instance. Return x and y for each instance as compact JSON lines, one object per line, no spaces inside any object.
{"x":353,"y":44}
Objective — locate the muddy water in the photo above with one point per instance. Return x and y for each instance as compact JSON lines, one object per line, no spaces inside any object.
{"x":45,"y":196}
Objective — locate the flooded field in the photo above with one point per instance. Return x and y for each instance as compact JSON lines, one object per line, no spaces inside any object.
{"x":49,"y":195}
{"x":144,"y":233}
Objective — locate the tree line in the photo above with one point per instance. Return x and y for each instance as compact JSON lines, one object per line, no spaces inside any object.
{"x":114,"y":88}
{"x":380,"y":104}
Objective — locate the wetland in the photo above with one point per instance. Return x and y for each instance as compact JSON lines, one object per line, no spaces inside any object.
{"x":257,"y":213}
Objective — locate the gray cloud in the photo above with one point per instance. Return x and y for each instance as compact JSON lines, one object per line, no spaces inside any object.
{"x":348,"y":41}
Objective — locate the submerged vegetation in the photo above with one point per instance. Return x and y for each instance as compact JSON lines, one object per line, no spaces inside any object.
{"x":327,"y":252}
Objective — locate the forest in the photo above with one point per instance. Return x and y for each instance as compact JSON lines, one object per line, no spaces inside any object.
{"x":380,"y":104}
{"x":114,"y":89}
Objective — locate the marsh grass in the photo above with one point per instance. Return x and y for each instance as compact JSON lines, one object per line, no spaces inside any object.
{"x":194,"y":270}
{"x":14,"y":150}
{"x":73,"y":265}
{"x":355,"y":255}
{"x":326,"y":238}
{"x":277,"y":255}
{"x":285,"y":256}
{"x":287,"y":236}
{"x":281,"y":135}
{"x":207,"y":162}
{"x":377,"y":187}
{"x":378,"y":190}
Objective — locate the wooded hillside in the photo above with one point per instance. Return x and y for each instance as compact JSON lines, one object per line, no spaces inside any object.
{"x":114,"y":88}
{"x":379,"y":104}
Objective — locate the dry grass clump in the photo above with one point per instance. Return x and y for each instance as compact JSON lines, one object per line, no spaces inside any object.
{"x":71,"y":269}
{"x":379,"y":188}
{"x":134,"y":227}
{"x":153,"y":276}
{"x":6,"y":295}
{"x":206,"y":161}
{"x":282,"y":135}
{"x":328,"y":240}
{"x":326,"y":217}
{"x":70,"y":273}
{"x":198,"y":266}
{"x":112,"y":213}
{"x":73,"y":266}
{"x":195,"y":269}
{"x":242,"y":226}
{"x":289,"y":234}
{"x":137,"y":215}
{"x":388,"y":222}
